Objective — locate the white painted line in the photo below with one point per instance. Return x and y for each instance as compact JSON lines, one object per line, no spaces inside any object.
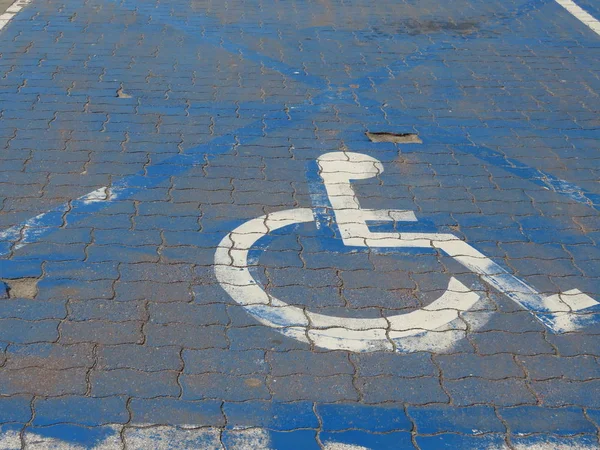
{"x":12,"y":12}
{"x":581,"y":15}
{"x":30,"y":230}
{"x":143,"y":436}
{"x":169,"y":437}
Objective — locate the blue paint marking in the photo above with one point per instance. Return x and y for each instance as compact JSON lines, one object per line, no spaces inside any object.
{"x":152,"y":176}
{"x":534,"y":175}
{"x":339,"y":421}
{"x":49,"y":222}
{"x":287,"y":425}
{"x":73,"y":434}
{"x":164,"y":12}
{"x":377,"y":419}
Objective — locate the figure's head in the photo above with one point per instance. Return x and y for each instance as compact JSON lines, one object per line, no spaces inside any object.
{"x":345,"y":166}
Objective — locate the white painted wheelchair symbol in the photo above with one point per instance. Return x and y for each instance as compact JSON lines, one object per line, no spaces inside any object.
{"x":560,"y":312}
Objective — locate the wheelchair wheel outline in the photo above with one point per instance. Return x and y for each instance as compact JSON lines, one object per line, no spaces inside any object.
{"x":325,"y":331}
{"x":562,"y":312}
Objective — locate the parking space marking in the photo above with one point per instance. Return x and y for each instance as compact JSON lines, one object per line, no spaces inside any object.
{"x":12,"y":11}
{"x":141,"y":348}
{"x":339,"y":432}
{"x":581,"y":15}
{"x":337,"y":169}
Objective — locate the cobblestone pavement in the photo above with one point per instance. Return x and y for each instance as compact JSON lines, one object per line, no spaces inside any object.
{"x":186,"y":263}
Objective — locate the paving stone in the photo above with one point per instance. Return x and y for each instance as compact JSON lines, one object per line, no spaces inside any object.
{"x":122,"y":253}
{"x":548,"y":440}
{"x":16,"y":408}
{"x":164,"y":436}
{"x":139,"y":357}
{"x":331,"y":260}
{"x":535,"y":419}
{"x":50,"y":356}
{"x":134,"y":383}
{"x":61,"y":289}
{"x":594,"y":415}
{"x":416,"y":391}
{"x":346,"y":416}
{"x":313,"y":388}
{"x":153,"y":291}
{"x":3,"y":290}
{"x":448,"y":419}
{"x":368,"y":278}
{"x":77,"y":270}
{"x":52,"y":252}
{"x":452,"y":441}
{"x":297,"y":362}
{"x":514,"y":322}
{"x":28,"y":332}
{"x":189,"y":336}
{"x":384,"y":363}
{"x":493,"y":367}
{"x":107,"y":237}
{"x":164,"y":273}
{"x":237,"y":363}
{"x":274,"y":416}
{"x":578,"y":368}
{"x":473,"y":391}
{"x":492,"y":342}
{"x":170,"y":411}
{"x":56,"y":435}
{"x":557,"y":392}
{"x":87,"y":411}
{"x":227,"y":387}
{"x":178,"y":312}
{"x":107,"y":333}
{"x":572,"y":344}
{"x":361,"y":439}
{"x":14,"y":269}
{"x":44,"y":382}
{"x":234,"y":439}
{"x":528,"y":266}
{"x":257,"y":337}
{"x":300,"y":277}
{"x":106,"y":309}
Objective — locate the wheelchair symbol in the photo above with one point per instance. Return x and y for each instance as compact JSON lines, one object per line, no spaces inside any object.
{"x":560,"y":312}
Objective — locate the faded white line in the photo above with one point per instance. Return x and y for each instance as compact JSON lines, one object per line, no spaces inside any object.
{"x":12,"y":11}
{"x":192,"y":437}
{"x":581,"y":15}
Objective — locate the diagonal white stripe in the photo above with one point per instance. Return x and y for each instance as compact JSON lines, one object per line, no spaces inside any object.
{"x":581,"y":15}
{"x":12,"y":12}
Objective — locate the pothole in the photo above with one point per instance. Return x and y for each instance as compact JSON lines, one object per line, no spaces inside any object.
{"x":397,"y":138}
{"x":19,"y":288}
{"x":122,"y":94}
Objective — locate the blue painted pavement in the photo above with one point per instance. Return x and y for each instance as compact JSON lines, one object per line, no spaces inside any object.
{"x":135,"y":136}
